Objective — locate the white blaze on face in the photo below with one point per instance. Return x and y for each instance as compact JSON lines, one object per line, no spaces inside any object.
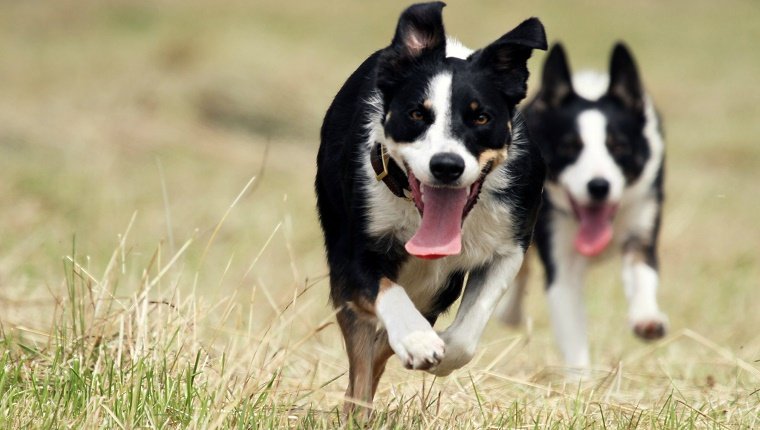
{"x":437,"y":138}
{"x":594,"y":161}
{"x":440,"y":231}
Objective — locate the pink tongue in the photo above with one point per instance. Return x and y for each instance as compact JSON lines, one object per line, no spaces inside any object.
{"x":595,"y":232}
{"x":440,"y":233}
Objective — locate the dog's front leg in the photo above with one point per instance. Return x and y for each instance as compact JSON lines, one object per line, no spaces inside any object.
{"x":568,"y":311}
{"x":485,"y":287}
{"x":640,"y":281}
{"x":410,"y":335}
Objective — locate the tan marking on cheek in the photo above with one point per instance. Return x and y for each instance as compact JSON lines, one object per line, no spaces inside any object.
{"x":427,"y":104}
{"x":496,"y":155}
{"x":509,"y":127}
{"x":474,"y":105}
{"x":388,"y":117}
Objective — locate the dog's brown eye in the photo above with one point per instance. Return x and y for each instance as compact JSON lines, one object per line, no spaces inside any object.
{"x":569,"y":146}
{"x":416,"y":115}
{"x":482,"y":119}
{"x":618,"y":147}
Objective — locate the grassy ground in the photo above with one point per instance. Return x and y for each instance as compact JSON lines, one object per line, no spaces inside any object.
{"x":161,"y":264}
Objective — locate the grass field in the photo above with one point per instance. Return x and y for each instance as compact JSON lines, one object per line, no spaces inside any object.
{"x":161,"y":264}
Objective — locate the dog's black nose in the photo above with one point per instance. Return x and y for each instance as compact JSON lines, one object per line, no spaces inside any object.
{"x":446,"y":166}
{"x":598,"y":188}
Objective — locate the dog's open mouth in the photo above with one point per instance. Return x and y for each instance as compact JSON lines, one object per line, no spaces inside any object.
{"x":595,"y":230}
{"x":443,"y":212}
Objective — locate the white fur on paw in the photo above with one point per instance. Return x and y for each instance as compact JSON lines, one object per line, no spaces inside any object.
{"x":651,"y":326}
{"x":421,"y":349}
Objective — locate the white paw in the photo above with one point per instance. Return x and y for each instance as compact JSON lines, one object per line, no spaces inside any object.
{"x":420,"y":349}
{"x":458,"y":353}
{"x":649,"y":326}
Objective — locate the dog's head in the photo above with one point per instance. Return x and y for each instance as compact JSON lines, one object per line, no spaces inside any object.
{"x":448,"y":121}
{"x":592,"y":137}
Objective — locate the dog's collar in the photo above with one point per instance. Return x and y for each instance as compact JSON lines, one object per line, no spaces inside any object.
{"x":389,"y":172}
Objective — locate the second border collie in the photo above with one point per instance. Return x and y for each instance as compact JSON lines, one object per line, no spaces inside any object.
{"x":602,"y":143}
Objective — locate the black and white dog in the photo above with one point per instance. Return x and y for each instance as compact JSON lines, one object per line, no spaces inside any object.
{"x":601,"y":140}
{"x":425,"y":174}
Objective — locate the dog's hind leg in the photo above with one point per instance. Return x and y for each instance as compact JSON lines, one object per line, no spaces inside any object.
{"x":406,"y":333}
{"x":382,"y":352}
{"x":509,"y":311}
{"x":359,"y":334}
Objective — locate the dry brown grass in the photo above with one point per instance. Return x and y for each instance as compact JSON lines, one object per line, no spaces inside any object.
{"x":167,"y":110}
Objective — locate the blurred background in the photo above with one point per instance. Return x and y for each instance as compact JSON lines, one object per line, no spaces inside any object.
{"x":164,"y":110}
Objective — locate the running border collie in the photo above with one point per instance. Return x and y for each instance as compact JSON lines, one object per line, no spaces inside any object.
{"x":602,"y":142}
{"x":424,"y":175}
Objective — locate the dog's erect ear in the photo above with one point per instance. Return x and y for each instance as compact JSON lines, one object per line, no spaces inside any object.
{"x":625,"y":84}
{"x":556,"y":83}
{"x":420,"y":28}
{"x":419,"y":34}
{"x":507,"y":57}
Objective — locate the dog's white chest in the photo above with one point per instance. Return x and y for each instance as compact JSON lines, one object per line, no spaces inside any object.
{"x":487,"y":232}
{"x":423,"y":279}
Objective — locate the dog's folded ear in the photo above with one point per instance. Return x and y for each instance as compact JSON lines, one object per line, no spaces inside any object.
{"x":507,"y":57}
{"x":419,"y":34}
{"x":625,"y":84}
{"x":556,"y":83}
